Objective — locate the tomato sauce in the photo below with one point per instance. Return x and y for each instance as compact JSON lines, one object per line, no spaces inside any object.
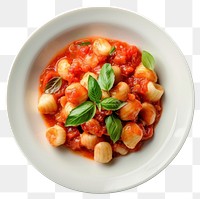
{"x":82,"y":59}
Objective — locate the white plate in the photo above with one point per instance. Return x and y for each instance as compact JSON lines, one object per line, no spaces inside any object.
{"x":67,"y":168}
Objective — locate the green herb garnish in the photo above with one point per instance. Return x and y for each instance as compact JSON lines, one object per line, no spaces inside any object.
{"x":53,"y":85}
{"x":148,"y":60}
{"x":81,"y":114}
{"x":112,"y":50}
{"x":94,"y":90}
{"x":86,"y":43}
{"x":114,"y":127}
{"x":112,"y":104}
{"x":106,"y":77}
{"x":87,"y":110}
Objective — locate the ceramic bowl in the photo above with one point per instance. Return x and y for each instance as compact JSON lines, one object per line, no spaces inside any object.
{"x":67,"y":168}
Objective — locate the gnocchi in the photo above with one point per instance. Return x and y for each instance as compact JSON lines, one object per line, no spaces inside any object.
{"x":88,"y":140}
{"x":130,"y":110}
{"x":67,"y":109}
{"x":154,"y":92}
{"x":148,"y":113}
{"x":118,"y":74}
{"x":120,"y":91}
{"x":92,"y":127}
{"x":84,"y":80}
{"x":47,"y":104}
{"x":63,"y":67}
{"x":76,"y":93}
{"x":113,"y":118}
{"x":56,"y":135}
{"x":120,"y":148}
{"x":103,"y":152}
{"x":142,"y":72}
{"x":91,"y":60}
{"x":131,"y":135}
{"x":101,"y":47}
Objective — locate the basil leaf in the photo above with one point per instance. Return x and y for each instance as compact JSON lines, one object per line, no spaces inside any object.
{"x":106,"y":77}
{"x":112,"y":50}
{"x":81,"y":114}
{"x":148,"y":60}
{"x":114,"y":127}
{"x":94,"y":90}
{"x":99,"y":106}
{"x":53,"y":85}
{"x":112,"y":104}
{"x":86,"y":43}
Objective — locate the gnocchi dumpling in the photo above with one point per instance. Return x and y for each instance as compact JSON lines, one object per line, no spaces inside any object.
{"x":148,"y":113}
{"x":84,"y":80}
{"x":121,"y":149}
{"x":47,"y":104}
{"x":130,"y":110}
{"x":154,"y":92}
{"x":131,"y":135}
{"x":103,"y":152}
{"x":117,"y":72}
{"x":56,"y":135}
{"x":101,"y":47}
{"x":76,"y":93}
{"x":91,"y":60}
{"x":63,"y":67}
{"x":63,"y":101}
{"x":142,"y":72}
{"x":88,"y":140}
{"x":67,"y":109}
{"x":92,"y":126}
{"x":120,"y":91}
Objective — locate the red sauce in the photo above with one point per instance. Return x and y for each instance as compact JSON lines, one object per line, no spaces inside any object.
{"x":127,"y":57}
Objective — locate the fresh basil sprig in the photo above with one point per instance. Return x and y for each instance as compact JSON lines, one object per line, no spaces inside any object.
{"x":94,"y":90}
{"x":112,"y":104}
{"x":81,"y":114}
{"x":114,"y":127}
{"x":106,"y":77}
{"x":112,"y":50}
{"x":87,"y":110}
{"x":148,"y":60}
{"x":53,"y":85}
{"x":86,"y":43}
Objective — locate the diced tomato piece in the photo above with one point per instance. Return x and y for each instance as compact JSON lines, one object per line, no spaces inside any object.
{"x":93,"y":127}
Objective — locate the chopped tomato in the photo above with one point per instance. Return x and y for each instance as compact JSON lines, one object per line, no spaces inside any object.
{"x":88,"y":56}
